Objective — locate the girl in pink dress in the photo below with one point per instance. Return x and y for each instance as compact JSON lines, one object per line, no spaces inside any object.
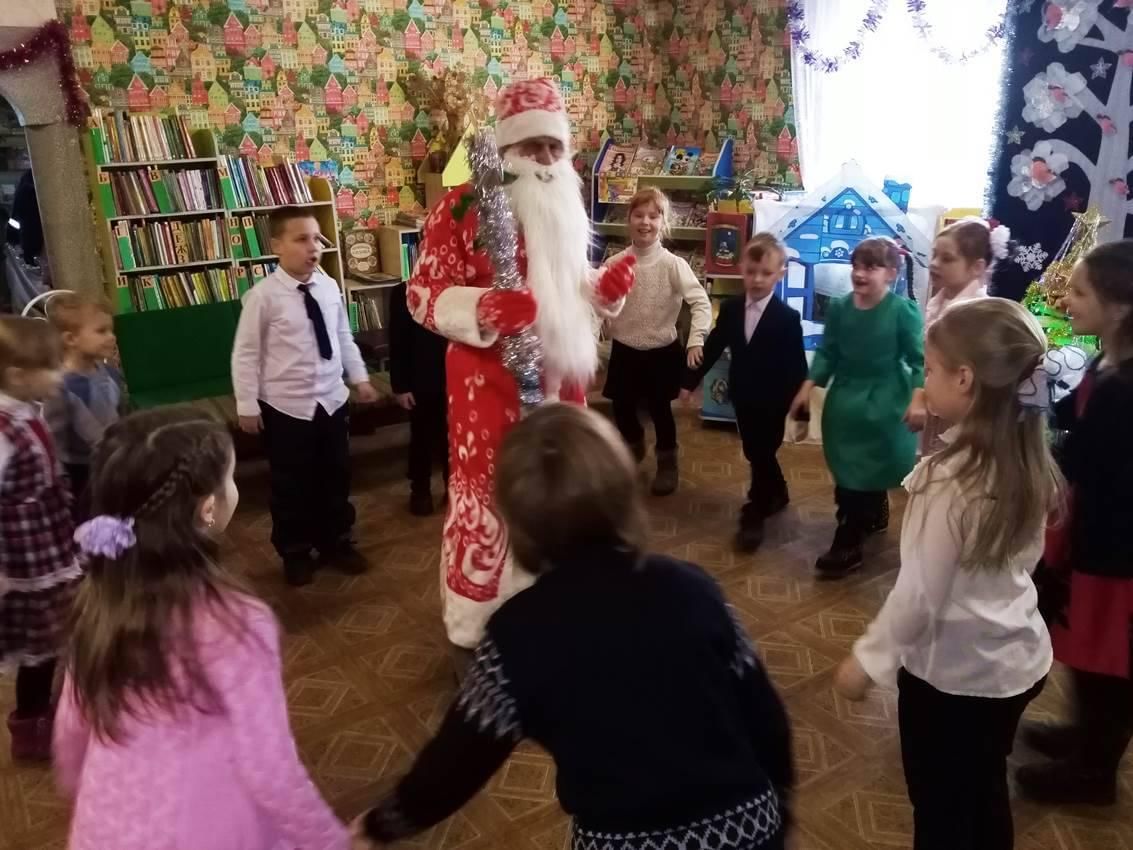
{"x":172,"y":730}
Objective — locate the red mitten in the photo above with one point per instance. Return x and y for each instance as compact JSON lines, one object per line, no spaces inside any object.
{"x":617,"y":280}
{"x":506,"y":311}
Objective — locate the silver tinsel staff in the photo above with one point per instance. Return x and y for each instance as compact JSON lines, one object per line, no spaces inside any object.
{"x":522,"y":352}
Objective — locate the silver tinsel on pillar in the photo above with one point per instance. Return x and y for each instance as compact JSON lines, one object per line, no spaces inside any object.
{"x":522,"y":352}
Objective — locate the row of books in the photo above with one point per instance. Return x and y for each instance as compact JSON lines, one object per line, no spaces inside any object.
{"x":250,"y":235}
{"x":693,"y":256}
{"x":366,"y":310}
{"x":149,"y":192}
{"x":248,"y":184}
{"x":185,"y":288}
{"x":637,"y":161}
{"x":130,"y":137}
{"x":168,"y":243}
{"x":681,"y":214}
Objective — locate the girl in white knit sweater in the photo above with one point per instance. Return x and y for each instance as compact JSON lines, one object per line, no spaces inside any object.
{"x":647,"y":360}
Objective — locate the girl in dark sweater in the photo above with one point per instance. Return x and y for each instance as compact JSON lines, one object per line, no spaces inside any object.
{"x":1086,"y":584}
{"x":628,"y":668}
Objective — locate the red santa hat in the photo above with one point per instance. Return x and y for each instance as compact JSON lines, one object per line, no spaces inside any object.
{"x":528,"y":109}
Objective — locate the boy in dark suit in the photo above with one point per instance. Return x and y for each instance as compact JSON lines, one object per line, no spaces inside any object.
{"x":417,"y":374}
{"x":768,"y":365}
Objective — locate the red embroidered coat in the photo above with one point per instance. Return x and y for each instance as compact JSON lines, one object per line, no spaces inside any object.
{"x":453,"y":272}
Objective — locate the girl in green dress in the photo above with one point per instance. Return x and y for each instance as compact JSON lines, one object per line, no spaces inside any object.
{"x":872,"y":347}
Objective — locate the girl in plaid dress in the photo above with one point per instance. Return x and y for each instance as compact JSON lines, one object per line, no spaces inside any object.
{"x":38,"y":558}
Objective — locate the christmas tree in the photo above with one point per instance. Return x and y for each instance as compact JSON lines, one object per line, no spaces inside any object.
{"x":1044,"y":298}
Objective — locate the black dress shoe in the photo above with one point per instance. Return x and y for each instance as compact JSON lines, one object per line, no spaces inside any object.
{"x":750,"y":536}
{"x":1067,"y":783}
{"x":779,"y":503}
{"x":421,"y":503}
{"x":346,"y":559}
{"x":299,"y":571}
{"x":1051,"y":740}
{"x":839,"y":562}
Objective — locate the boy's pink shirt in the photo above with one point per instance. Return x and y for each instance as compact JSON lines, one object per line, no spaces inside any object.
{"x":227,"y":781}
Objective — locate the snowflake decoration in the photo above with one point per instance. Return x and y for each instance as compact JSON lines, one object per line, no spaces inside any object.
{"x":1036,"y":176}
{"x":1067,"y":22}
{"x":1031,"y":257}
{"x":1015,"y":136}
{"x":1052,"y":97}
{"x":1100,"y":69}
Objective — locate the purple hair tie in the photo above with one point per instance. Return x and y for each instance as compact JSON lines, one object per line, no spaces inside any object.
{"x":106,"y":536}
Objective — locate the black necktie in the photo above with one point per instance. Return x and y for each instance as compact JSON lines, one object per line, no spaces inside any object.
{"x":316,"y":316}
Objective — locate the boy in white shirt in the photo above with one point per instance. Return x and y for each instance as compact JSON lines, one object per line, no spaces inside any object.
{"x":292,"y":347}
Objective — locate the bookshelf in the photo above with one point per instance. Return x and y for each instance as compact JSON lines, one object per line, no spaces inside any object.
{"x":691,"y":191}
{"x":183,"y":233}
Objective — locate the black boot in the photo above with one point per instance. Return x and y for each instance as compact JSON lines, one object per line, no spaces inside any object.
{"x":298,"y":569}
{"x":638,"y":450}
{"x":668,"y":476}
{"x":844,"y":555}
{"x":1067,"y":782}
{"x":880,"y":523}
{"x":1050,"y":740}
{"x":421,"y":500}
{"x":750,"y":536}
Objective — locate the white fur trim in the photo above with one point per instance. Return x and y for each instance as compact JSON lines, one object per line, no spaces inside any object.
{"x":456,"y":316}
{"x":532,"y":124}
{"x":465,"y":619}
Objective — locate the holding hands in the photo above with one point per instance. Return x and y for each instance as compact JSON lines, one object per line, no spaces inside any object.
{"x":851,"y":680}
{"x":616,"y":280}
{"x":800,"y":407}
{"x":506,"y":311}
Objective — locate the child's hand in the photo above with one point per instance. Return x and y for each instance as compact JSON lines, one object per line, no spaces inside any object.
{"x":851,"y":681}
{"x":916,"y":416}
{"x":800,"y":407}
{"x":695,"y":356}
{"x":405,"y":401}
{"x":366,"y":393}
{"x":251,"y":424}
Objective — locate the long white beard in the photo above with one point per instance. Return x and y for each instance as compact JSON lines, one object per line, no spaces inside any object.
{"x":556,"y":232}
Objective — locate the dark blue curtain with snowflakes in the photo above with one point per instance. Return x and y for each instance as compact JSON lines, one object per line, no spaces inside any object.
{"x":1063,"y":142}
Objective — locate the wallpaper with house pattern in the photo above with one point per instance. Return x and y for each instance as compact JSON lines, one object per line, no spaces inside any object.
{"x":325,"y":80}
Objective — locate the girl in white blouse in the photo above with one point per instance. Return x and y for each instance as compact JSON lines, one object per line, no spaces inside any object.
{"x":960,"y":634}
{"x":963,"y":257}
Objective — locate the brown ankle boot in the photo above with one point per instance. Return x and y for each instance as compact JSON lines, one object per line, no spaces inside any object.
{"x":31,"y":737}
{"x":668,"y":474}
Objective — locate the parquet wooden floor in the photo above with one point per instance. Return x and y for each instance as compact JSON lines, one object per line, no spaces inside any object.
{"x":368,"y":674}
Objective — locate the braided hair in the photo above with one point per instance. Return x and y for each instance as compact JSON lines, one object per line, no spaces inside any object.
{"x":132,"y":623}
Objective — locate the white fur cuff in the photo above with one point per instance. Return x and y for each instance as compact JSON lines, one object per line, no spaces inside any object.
{"x":456,"y":316}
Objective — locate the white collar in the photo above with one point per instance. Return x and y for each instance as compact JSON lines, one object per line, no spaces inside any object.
{"x":293,"y":283}
{"x":18,"y":409}
{"x":761,"y":303}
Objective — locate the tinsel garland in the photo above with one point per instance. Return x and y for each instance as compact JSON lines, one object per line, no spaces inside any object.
{"x":796,"y":23}
{"x":800,"y":36}
{"x":51,"y":38}
{"x":522,"y":352}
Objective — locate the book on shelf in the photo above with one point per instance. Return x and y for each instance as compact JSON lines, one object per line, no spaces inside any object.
{"x":615,"y":190}
{"x":617,"y":160}
{"x":129,"y":137}
{"x":181,"y":288}
{"x":245,"y":183}
{"x":405,"y":218}
{"x":617,"y":214}
{"x":647,"y":161}
{"x":679,"y":213}
{"x":168,"y":243}
{"x":681,"y":161}
{"x":363,"y":259}
{"x":153,"y":191}
{"x":369,"y":310}
{"x":707,"y":164}
{"x":697,"y":216}
{"x":613,"y":246}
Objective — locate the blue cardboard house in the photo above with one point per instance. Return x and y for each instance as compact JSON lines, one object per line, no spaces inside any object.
{"x":821,"y":231}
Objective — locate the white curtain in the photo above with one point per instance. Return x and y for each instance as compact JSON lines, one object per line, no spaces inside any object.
{"x":899,"y":110}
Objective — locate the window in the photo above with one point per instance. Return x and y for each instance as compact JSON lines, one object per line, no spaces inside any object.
{"x":899,"y":110}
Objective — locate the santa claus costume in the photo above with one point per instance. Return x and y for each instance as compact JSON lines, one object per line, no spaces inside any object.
{"x":450,"y":294}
